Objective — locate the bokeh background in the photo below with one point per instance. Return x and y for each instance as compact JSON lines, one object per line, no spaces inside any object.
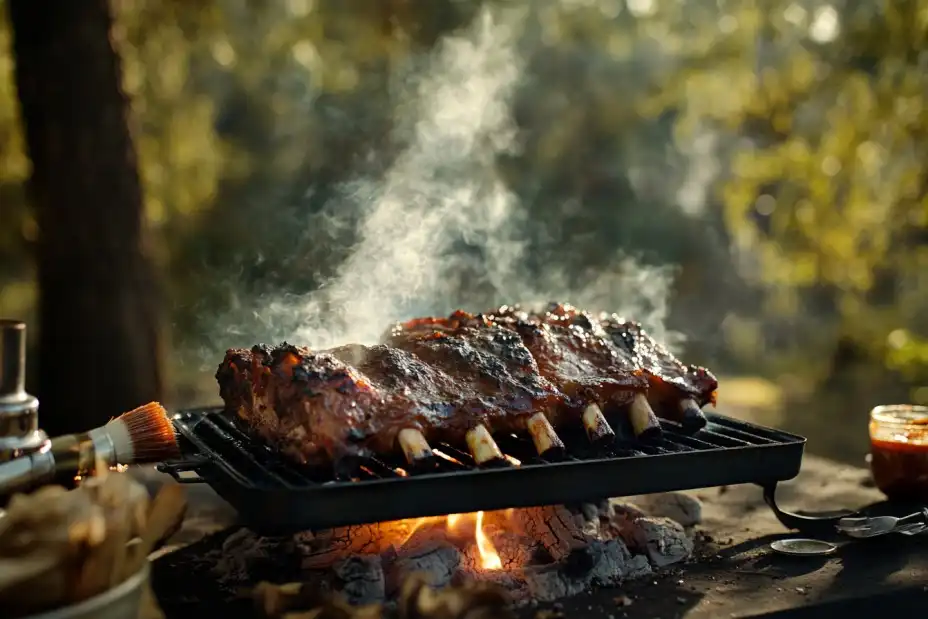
{"x":749,"y":178}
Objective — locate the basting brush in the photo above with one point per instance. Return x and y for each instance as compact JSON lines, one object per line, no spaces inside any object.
{"x":142,"y":435}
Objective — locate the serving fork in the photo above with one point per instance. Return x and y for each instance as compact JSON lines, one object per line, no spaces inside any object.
{"x":874,"y":526}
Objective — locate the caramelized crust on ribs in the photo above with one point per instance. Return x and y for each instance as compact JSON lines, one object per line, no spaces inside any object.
{"x":578,"y":358}
{"x":668,"y":380}
{"x":582,"y":368}
{"x":668,"y":377}
{"x":354,"y":400}
{"x":443,"y":377}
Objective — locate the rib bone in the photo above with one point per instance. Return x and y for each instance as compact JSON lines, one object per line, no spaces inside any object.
{"x":643,"y":420}
{"x":691,"y":416}
{"x":414,"y":446}
{"x":597,"y":428}
{"x":482,"y":446}
{"x":543,"y":434}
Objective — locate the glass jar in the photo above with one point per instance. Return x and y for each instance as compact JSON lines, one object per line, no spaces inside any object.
{"x":899,"y":451}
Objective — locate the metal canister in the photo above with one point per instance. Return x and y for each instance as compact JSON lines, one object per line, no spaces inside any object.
{"x":19,"y":411}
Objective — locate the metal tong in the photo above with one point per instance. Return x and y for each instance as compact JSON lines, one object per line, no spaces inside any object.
{"x":852,"y":524}
{"x":874,"y":526}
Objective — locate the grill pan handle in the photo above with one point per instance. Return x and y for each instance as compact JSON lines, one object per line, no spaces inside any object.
{"x":809,"y":525}
{"x":175,"y":468}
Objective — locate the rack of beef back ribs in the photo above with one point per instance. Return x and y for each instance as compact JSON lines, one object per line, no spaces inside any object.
{"x":273,"y":495}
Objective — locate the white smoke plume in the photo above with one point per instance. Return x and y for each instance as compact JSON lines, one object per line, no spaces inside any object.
{"x":441,"y":190}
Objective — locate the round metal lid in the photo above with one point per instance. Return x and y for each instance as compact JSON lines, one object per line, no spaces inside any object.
{"x":803,"y":547}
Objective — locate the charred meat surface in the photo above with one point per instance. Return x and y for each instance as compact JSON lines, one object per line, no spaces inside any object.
{"x":356,"y":400}
{"x":585,"y":365}
{"x":580,"y":367}
{"x":675,"y":390}
{"x":582,"y":362}
{"x":458,"y":380}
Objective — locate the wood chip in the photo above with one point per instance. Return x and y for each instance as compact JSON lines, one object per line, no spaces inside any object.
{"x":59,"y":547}
{"x":417,"y":600}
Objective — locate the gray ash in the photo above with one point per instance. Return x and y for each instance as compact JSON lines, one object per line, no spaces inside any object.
{"x":541,"y":554}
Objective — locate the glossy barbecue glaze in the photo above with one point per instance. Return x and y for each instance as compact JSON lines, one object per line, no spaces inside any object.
{"x":444,"y":376}
{"x":575,"y":343}
{"x":669,"y":379}
{"x":577,"y":356}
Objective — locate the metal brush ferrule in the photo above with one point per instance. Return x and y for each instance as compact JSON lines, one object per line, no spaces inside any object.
{"x":103,"y":446}
{"x":63,"y":460}
{"x":78,"y":454}
{"x":19,"y":411}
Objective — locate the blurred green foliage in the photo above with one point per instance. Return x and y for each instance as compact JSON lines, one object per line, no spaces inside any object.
{"x":774,"y":151}
{"x":829,"y":191}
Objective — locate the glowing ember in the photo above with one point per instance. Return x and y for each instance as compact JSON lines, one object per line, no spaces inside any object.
{"x":416,"y":524}
{"x":530,"y":552}
{"x":454,"y":520}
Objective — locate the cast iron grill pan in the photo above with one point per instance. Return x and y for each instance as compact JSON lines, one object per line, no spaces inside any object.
{"x":273,"y":496}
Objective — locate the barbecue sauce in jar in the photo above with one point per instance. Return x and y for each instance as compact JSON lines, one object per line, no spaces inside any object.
{"x":899,"y":451}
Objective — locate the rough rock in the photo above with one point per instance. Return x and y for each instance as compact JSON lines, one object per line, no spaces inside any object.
{"x":626,"y":509}
{"x":685,"y":509}
{"x":663,"y":540}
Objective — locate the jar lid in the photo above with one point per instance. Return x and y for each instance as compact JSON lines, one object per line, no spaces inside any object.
{"x":901,"y":414}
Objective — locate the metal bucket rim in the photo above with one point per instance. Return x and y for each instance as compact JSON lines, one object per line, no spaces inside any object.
{"x":110,"y":595}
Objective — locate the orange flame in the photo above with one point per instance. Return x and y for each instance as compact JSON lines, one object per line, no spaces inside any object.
{"x":418,"y":523}
{"x":489,"y":559}
{"x":453,"y":521}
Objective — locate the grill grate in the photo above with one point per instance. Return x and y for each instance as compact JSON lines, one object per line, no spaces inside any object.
{"x":273,"y":495}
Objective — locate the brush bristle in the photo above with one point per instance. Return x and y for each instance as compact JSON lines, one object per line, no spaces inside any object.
{"x":151,"y":433}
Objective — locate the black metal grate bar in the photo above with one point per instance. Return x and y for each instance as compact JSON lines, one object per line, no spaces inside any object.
{"x":260,"y":466}
{"x":253,"y":476}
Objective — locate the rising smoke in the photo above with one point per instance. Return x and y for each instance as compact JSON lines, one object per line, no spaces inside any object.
{"x":443,"y":193}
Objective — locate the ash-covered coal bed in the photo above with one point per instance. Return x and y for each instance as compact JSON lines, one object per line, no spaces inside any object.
{"x":538,"y":554}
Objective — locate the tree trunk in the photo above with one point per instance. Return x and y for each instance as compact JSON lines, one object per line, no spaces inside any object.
{"x":99,"y":346}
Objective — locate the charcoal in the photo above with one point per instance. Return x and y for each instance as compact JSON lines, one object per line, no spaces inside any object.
{"x":549,"y":583}
{"x":361,"y":578}
{"x":613,"y":563}
{"x":599,"y":563}
{"x":558,"y":529}
{"x":245,"y":554}
{"x":437,"y":565}
{"x":545,"y":553}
